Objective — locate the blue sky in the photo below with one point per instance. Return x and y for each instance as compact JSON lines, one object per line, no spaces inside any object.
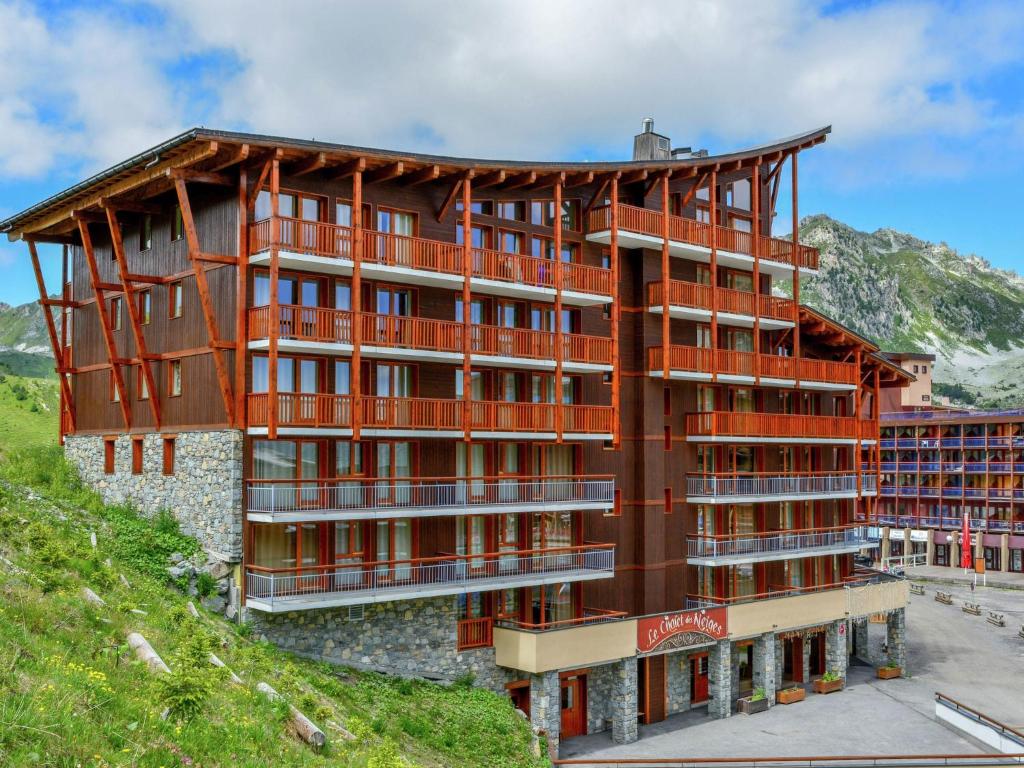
{"x":926,"y":99}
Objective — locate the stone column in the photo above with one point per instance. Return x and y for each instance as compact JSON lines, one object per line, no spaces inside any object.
{"x":1004,"y":552}
{"x":861,"y":640}
{"x":836,"y":656}
{"x":780,"y":661}
{"x":896,"y":638}
{"x":886,"y":547}
{"x":624,"y":702}
{"x":929,"y":548}
{"x":765,"y":665}
{"x":720,"y":680}
{"x":954,"y":552}
{"x":546,"y":705}
{"x":808,"y":640}
{"x":735,"y":676}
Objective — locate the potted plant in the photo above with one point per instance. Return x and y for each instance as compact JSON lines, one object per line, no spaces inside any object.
{"x":889,"y":671}
{"x":790,"y":695}
{"x":754,"y":703}
{"x":830,"y":682}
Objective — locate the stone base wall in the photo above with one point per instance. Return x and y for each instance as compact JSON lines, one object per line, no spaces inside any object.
{"x":600,"y":691}
{"x":678,"y":682}
{"x":411,"y":638}
{"x":204,"y":494}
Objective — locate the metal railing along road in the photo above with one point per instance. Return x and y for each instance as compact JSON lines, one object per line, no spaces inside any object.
{"x":776,"y":484}
{"x":379,"y":578}
{"x":774,"y":542}
{"x":455,"y":493}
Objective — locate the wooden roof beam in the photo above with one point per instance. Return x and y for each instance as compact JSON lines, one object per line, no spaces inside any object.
{"x":201,"y":177}
{"x":314,"y":163}
{"x":346,"y":169}
{"x":656,"y":178}
{"x":384,"y":173}
{"x":42,"y":237}
{"x":579,"y":179}
{"x":489,"y":179}
{"x":422,"y":176}
{"x":129,"y":206}
{"x":520,"y":180}
{"x":89,"y":217}
{"x":453,"y":192}
{"x":233,"y":158}
{"x":599,"y":194}
{"x":548,"y":180}
{"x":632,"y":177}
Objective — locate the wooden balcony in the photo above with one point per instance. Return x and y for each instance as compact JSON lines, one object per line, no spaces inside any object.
{"x":330,"y":331}
{"x":283,"y":501}
{"x":693,"y":301}
{"x":328,"y":414}
{"x":743,"y":427}
{"x":740,"y":549}
{"x":643,"y":228}
{"x":475,"y":633}
{"x":323,"y":247}
{"x":736,"y":367}
{"x":750,"y":487}
{"x":866,"y":580}
{"x":356,"y":583}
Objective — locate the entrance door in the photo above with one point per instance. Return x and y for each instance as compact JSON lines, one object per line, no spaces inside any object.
{"x":817,"y":660}
{"x":574,"y":706}
{"x":794,"y":659}
{"x":655,"y":689}
{"x":699,"y":679}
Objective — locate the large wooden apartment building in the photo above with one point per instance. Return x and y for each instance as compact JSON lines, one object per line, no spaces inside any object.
{"x":548,"y":423}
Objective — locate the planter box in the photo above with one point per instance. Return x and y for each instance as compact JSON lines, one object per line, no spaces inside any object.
{"x":888,"y":673}
{"x":790,"y":695}
{"x":750,"y":707}
{"x":820,"y":686}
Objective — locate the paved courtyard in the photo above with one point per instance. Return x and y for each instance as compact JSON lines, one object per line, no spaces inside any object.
{"x":950,"y":652}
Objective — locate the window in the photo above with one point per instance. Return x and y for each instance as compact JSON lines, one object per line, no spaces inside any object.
{"x":115,"y":313}
{"x":177,"y":224}
{"x":146,"y":233}
{"x":136,"y":455}
{"x":145,"y":306}
{"x":174,"y":378}
{"x":481,"y":236}
{"x":542,"y":213}
{"x":108,"y":455}
{"x":513,"y":210}
{"x":509,"y":241}
{"x":174,"y":303}
{"x":115,"y":393}
{"x":168,"y":455}
{"x":916,"y":369}
{"x":480,"y":207}
{"x":737,"y":194}
{"x":924,"y":369}
{"x":143,"y":389}
{"x":542,"y":248}
{"x":571,"y":214}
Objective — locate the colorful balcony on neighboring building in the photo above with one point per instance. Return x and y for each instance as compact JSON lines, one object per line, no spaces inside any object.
{"x":321,"y":330}
{"x":751,"y":487}
{"x":697,"y":301}
{"x":326,"y":586}
{"x":689,"y":239}
{"x":328,"y":248}
{"x":740,"y":549}
{"x":731,"y":366}
{"x":277,"y":501}
{"x":748,"y":427}
{"x":326,"y":414}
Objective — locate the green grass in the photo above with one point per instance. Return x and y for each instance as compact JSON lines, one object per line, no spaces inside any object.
{"x":71,"y":693}
{"x":28,"y":412}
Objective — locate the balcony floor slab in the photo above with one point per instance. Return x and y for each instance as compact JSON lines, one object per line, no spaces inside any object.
{"x":389,"y":513}
{"x":763,"y":557}
{"x":726,"y":318}
{"x":766,"y":381}
{"x":770,"y":497}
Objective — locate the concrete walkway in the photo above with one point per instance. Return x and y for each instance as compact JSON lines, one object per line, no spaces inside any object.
{"x":943,"y":575}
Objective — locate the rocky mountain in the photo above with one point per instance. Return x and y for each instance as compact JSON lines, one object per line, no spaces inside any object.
{"x":23,"y":329}
{"x":907,"y":294}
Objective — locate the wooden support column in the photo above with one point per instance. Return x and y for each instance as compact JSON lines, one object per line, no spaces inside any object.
{"x":713,"y":266}
{"x":133,"y":315}
{"x":65,"y":404}
{"x":58,"y":346}
{"x":242,"y":300}
{"x":203,"y":288}
{"x":857,"y":405}
{"x":666,"y":327}
{"x":559,"y":351}
{"x":616,"y":307}
{"x":357,"y":300}
{"x":796,"y":273}
{"x":274,"y":331}
{"x":467,"y":312}
{"x":108,"y":335}
{"x":755,"y":243}
{"x":876,"y":413}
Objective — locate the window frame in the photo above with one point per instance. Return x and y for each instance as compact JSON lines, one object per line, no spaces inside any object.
{"x":175,"y":299}
{"x":172,"y":365}
{"x":145,"y":232}
{"x":145,"y":306}
{"x":169,"y":454}
{"x":138,"y":462}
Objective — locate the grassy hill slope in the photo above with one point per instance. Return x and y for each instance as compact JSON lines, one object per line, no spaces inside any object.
{"x":28,"y":412}
{"x":71,"y":693}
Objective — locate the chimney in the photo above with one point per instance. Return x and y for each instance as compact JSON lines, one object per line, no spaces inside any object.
{"x":649,"y":145}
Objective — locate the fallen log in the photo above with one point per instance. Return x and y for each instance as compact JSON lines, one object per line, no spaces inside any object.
{"x":144,"y":651}
{"x":218,"y":663}
{"x":124,"y":581}
{"x":305,"y":727}
{"x":192,"y":610}
{"x":93,"y":598}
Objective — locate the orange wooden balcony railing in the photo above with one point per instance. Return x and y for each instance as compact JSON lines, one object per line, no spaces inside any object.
{"x":325,"y":410}
{"x":475,"y":633}
{"x":334,"y":241}
{"x":646,"y":221}
{"x":743,"y":424}
{"x":736,"y":363}
{"x":322,"y":324}
{"x":700,"y":296}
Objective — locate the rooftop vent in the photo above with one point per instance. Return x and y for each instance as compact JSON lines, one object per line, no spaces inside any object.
{"x":649,"y":145}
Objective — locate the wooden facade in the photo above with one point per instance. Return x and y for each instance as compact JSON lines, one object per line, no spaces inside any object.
{"x":622,"y":326}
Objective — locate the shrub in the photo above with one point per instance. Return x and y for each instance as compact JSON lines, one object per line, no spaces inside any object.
{"x":830,"y":677}
{"x":192,"y":680}
{"x":205,"y":584}
{"x":759,"y":694}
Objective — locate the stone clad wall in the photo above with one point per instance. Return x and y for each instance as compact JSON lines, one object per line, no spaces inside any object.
{"x":678,"y":682}
{"x":411,"y":638}
{"x":204,"y":494}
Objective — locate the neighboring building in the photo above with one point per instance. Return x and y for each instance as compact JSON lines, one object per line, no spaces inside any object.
{"x":918,"y":394}
{"x":546,"y":423}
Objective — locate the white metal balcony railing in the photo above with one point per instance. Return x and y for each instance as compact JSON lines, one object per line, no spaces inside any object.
{"x":370,"y":495}
{"x":758,"y":544}
{"x":373,"y":581}
{"x":756,"y":484}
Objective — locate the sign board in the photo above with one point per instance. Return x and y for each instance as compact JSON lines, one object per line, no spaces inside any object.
{"x":896,"y":534}
{"x":979,"y":565}
{"x":681,"y":630}
{"x":919,"y":535}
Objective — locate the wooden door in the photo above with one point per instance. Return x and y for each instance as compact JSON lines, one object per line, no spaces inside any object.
{"x":795,"y":659}
{"x":574,"y":706}
{"x":655,"y":689}
{"x":699,"y":679}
